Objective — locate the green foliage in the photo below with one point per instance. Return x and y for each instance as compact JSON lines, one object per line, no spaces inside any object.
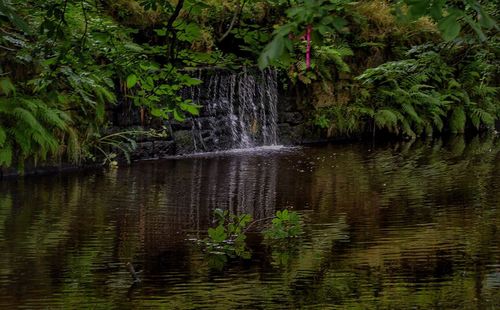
{"x":80,"y":58}
{"x":421,"y":95}
{"x":9,"y":14}
{"x":158,"y":89}
{"x":285,"y":225}
{"x":78,"y":63}
{"x":30,"y":128}
{"x":255,"y":37}
{"x":326,"y":17}
{"x":452,"y":15}
{"x":328,"y":59}
{"x":346,"y":120}
{"x":401,"y":101}
{"x":322,"y":15}
{"x":228,"y":237}
{"x":106,"y":148}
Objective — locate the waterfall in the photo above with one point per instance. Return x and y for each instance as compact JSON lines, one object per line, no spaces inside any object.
{"x":238,"y":109}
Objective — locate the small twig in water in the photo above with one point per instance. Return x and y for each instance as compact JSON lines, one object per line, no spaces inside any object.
{"x":133,"y":273}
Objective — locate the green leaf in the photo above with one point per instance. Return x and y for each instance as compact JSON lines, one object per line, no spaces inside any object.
{"x":161,"y":32}
{"x":449,"y":26}
{"x":131,"y":80}
{"x":339,"y":23}
{"x":133,"y":47}
{"x":157,"y":112}
{"x":436,"y":10}
{"x":178,"y":116}
{"x":485,"y":20}
{"x":418,"y":8}
{"x":218,"y":234}
{"x":272,"y":52}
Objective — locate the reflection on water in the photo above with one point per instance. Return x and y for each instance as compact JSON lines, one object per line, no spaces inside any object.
{"x":393,"y":226}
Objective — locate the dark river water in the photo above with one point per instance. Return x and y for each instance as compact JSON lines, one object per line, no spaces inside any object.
{"x":405,"y":225}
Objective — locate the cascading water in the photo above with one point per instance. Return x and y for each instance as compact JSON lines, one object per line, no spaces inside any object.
{"x":239,"y":109}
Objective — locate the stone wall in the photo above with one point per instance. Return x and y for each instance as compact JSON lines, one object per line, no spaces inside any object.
{"x":293,"y":129}
{"x":209,"y":132}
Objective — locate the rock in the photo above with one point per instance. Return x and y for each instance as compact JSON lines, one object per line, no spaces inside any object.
{"x":163,"y":148}
{"x":144,"y":150}
{"x":184,"y":143}
{"x":293,"y":118}
{"x":184,"y":125}
{"x":290,"y":135}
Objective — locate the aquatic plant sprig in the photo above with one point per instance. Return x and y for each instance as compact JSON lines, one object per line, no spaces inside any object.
{"x":286,"y":225}
{"x":228,"y":238}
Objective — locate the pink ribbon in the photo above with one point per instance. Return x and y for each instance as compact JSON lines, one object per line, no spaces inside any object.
{"x":308,"y":50}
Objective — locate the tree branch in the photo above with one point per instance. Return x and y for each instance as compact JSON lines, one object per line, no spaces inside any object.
{"x":239,"y":8}
{"x":84,"y":36}
{"x":171,"y":29}
{"x":175,"y":14}
{"x":7,"y":48}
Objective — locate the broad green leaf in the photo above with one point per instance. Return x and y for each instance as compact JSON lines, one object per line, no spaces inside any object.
{"x":272,"y":51}
{"x":178,"y":116}
{"x":157,"y":112}
{"x":218,"y":234}
{"x":450,"y":27}
{"x":161,"y":32}
{"x":436,"y":10}
{"x":485,"y":19}
{"x":190,"y":108}
{"x":131,"y":80}
{"x":339,"y":23}
{"x":418,"y":8}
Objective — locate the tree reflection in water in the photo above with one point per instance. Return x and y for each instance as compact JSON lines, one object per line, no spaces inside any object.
{"x":397,"y":225}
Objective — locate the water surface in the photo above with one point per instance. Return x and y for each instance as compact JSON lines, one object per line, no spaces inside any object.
{"x":406,"y":225}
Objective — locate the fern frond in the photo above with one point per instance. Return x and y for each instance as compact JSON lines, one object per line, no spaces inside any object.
{"x":3,"y":136}
{"x":480,"y":116}
{"x":410,"y":111}
{"x":6,"y":155}
{"x":386,"y":118}
{"x":457,"y":120}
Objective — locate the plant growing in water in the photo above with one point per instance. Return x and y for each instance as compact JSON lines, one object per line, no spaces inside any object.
{"x":285,"y":225}
{"x":228,"y":238}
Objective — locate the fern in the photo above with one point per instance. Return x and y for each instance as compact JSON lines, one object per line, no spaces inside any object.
{"x":479,"y":116}
{"x":343,"y":120}
{"x":457,"y":120}
{"x":425,"y":94}
{"x":387,"y":118}
{"x":29,"y":129}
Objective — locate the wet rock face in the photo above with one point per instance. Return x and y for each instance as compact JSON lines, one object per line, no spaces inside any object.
{"x":154,"y":149}
{"x":292,"y":118}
